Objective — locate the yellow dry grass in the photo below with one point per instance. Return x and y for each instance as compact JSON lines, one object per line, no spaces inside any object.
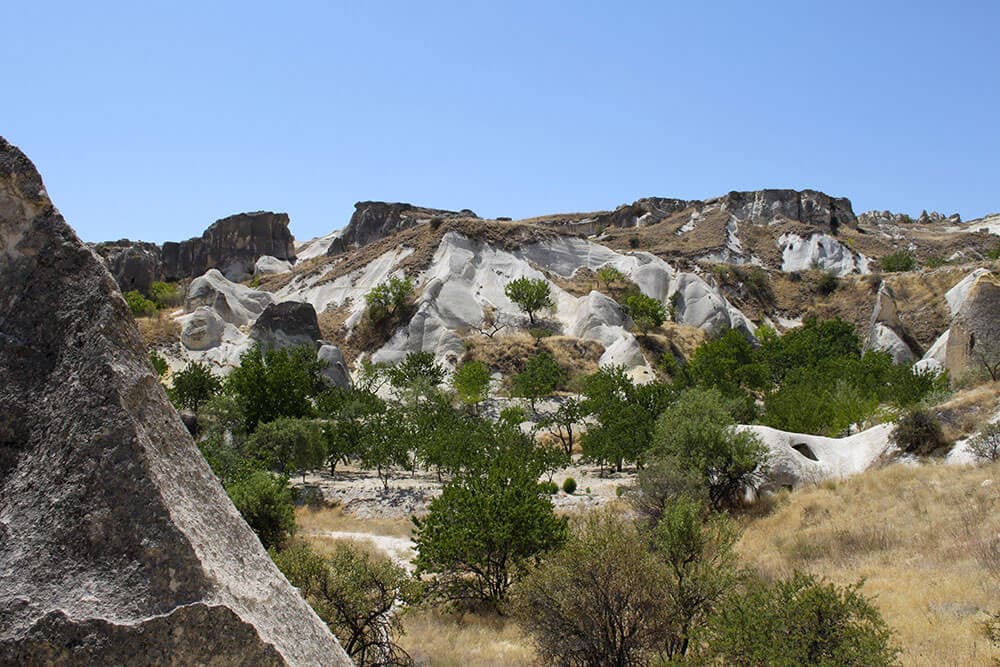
{"x":158,"y":329}
{"x":925,"y":539}
{"x":464,"y":640}
{"x":963,"y":414}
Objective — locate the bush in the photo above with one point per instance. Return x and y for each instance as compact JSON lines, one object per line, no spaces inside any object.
{"x":276,"y":383}
{"x":166,"y":295}
{"x":288,"y":445}
{"x":919,"y":432}
{"x":541,"y":376}
{"x":472,"y":382}
{"x":799,"y":621}
{"x":985,"y":446}
{"x":140,"y":305}
{"x":901,"y":260}
{"x":388,"y":298}
{"x":827,"y":283}
{"x":597,"y":601}
{"x":265,"y":502}
{"x":551,"y":488}
{"x":609,"y":275}
{"x":569,"y":485}
{"x":158,"y":363}
{"x":355,"y":594}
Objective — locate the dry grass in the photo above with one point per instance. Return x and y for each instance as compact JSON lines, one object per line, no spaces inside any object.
{"x":924,"y":539}
{"x":326,"y":518}
{"x":468,"y":640}
{"x":967,"y":410}
{"x":159,"y":329}
{"x":507,"y":354}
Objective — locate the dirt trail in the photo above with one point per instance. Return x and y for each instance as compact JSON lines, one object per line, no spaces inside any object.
{"x":400,"y":549}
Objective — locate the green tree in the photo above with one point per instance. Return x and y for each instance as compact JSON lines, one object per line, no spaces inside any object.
{"x":193,"y":386}
{"x":799,"y":621}
{"x":541,"y":376}
{"x":985,"y":446}
{"x":646,"y":312}
{"x":265,"y":502}
{"x":489,"y":522}
{"x":158,"y":363}
{"x":530,"y":295}
{"x":387,"y":299}
{"x":472,"y":383}
{"x":386,"y":438}
{"x":276,"y":383}
{"x":355,"y":594}
{"x":166,"y":295}
{"x":562,"y":422}
{"x":288,"y":445}
{"x":609,"y":275}
{"x":343,"y":416}
{"x":626,"y":415}
{"x":416,"y":375}
{"x":697,"y":550}
{"x":599,"y":600}
{"x":698,"y":433}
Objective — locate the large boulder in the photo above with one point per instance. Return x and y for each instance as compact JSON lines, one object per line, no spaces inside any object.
{"x":235,"y":303}
{"x":201,"y":330}
{"x":134,"y":264}
{"x":231,"y":245}
{"x":117,"y":543}
{"x":287,"y":324}
{"x":335,"y":369}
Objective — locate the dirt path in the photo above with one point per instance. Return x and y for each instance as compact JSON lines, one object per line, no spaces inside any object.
{"x":400,"y":549}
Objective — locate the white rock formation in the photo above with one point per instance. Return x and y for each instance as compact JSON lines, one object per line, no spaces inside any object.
{"x":235,"y":303}
{"x":316,"y":247}
{"x":822,"y":251}
{"x":797,"y":458}
{"x":201,"y":329}
{"x":957,"y":295}
{"x":885,"y":339}
{"x":269,"y":266}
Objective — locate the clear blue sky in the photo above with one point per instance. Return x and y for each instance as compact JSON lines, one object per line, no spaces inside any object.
{"x":152,"y":119}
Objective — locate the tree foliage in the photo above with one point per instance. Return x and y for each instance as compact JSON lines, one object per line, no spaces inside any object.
{"x":275,"y":383}
{"x":387,"y":299}
{"x":265,"y":502}
{"x":530,"y":295}
{"x":139,"y":304}
{"x":985,"y":445}
{"x":646,"y":312}
{"x":355,"y":594}
{"x":799,"y":621}
{"x":541,"y":376}
{"x":471,"y":382}
{"x":288,"y":445}
{"x":193,"y":385}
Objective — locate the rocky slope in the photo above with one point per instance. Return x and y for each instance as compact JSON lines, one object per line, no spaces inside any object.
{"x":117,"y":543}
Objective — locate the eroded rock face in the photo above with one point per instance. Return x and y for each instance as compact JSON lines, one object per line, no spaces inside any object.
{"x":974,"y":338}
{"x":373,"y":220}
{"x":808,"y":206}
{"x":117,"y":543}
{"x":134,"y":264}
{"x":287,"y":324}
{"x":235,"y":303}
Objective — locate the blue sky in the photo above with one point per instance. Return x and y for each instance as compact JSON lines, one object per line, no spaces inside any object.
{"x":152,"y":119}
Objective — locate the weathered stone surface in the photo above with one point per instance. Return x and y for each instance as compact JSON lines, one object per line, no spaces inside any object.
{"x":373,"y":220}
{"x":231,"y":245}
{"x":335,"y":371}
{"x":117,"y":543}
{"x":235,"y":303}
{"x":974,"y":337}
{"x":808,"y":206}
{"x":269,"y":266}
{"x":134,"y":264}
{"x":202,"y":329}
{"x":287,"y":324}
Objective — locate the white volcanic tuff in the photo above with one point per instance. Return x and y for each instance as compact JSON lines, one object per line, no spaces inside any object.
{"x":700,"y":305}
{"x":935,"y":357}
{"x":235,"y":303}
{"x":269,"y":266}
{"x":822,"y":251}
{"x":350,"y":287}
{"x":316,"y":247}
{"x":957,"y":295}
{"x":797,"y":458}
{"x":885,"y":339}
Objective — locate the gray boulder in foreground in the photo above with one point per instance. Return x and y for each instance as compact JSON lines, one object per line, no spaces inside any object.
{"x":117,"y":543}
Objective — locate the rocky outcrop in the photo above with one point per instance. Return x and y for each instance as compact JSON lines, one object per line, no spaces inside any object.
{"x":373,"y":220}
{"x":203,"y":329}
{"x":974,"y":338}
{"x":808,"y":206}
{"x":287,"y":324}
{"x":335,"y":369}
{"x":271,"y":266}
{"x":117,"y":543}
{"x":235,"y":303}
{"x":134,"y":264}
{"x":233,"y":245}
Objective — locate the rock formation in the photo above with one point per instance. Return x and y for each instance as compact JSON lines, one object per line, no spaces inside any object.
{"x":287,"y":324}
{"x":235,"y":303}
{"x":117,"y":543}
{"x":974,"y":338}
{"x":373,"y":220}
{"x":233,"y":245}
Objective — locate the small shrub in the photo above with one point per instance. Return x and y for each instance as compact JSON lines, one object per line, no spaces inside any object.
{"x":633,"y":242}
{"x":620,"y":491}
{"x":986,"y":445}
{"x":645,"y":311}
{"x":901,"y":260}
{"x":388,"y":298}
{"x":935,"y":262}
{"x":166,"y":295}
{"x":919,"y":432}
{"x":140,"y":305}
{"x":539,"y":333}
{"x":266,"y":505}
{"x":827,"y":283}
{"x":550,"y":488}
{"x":993,"y":253}
{"x":158,"y":362}
{"x":569,"y":485}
